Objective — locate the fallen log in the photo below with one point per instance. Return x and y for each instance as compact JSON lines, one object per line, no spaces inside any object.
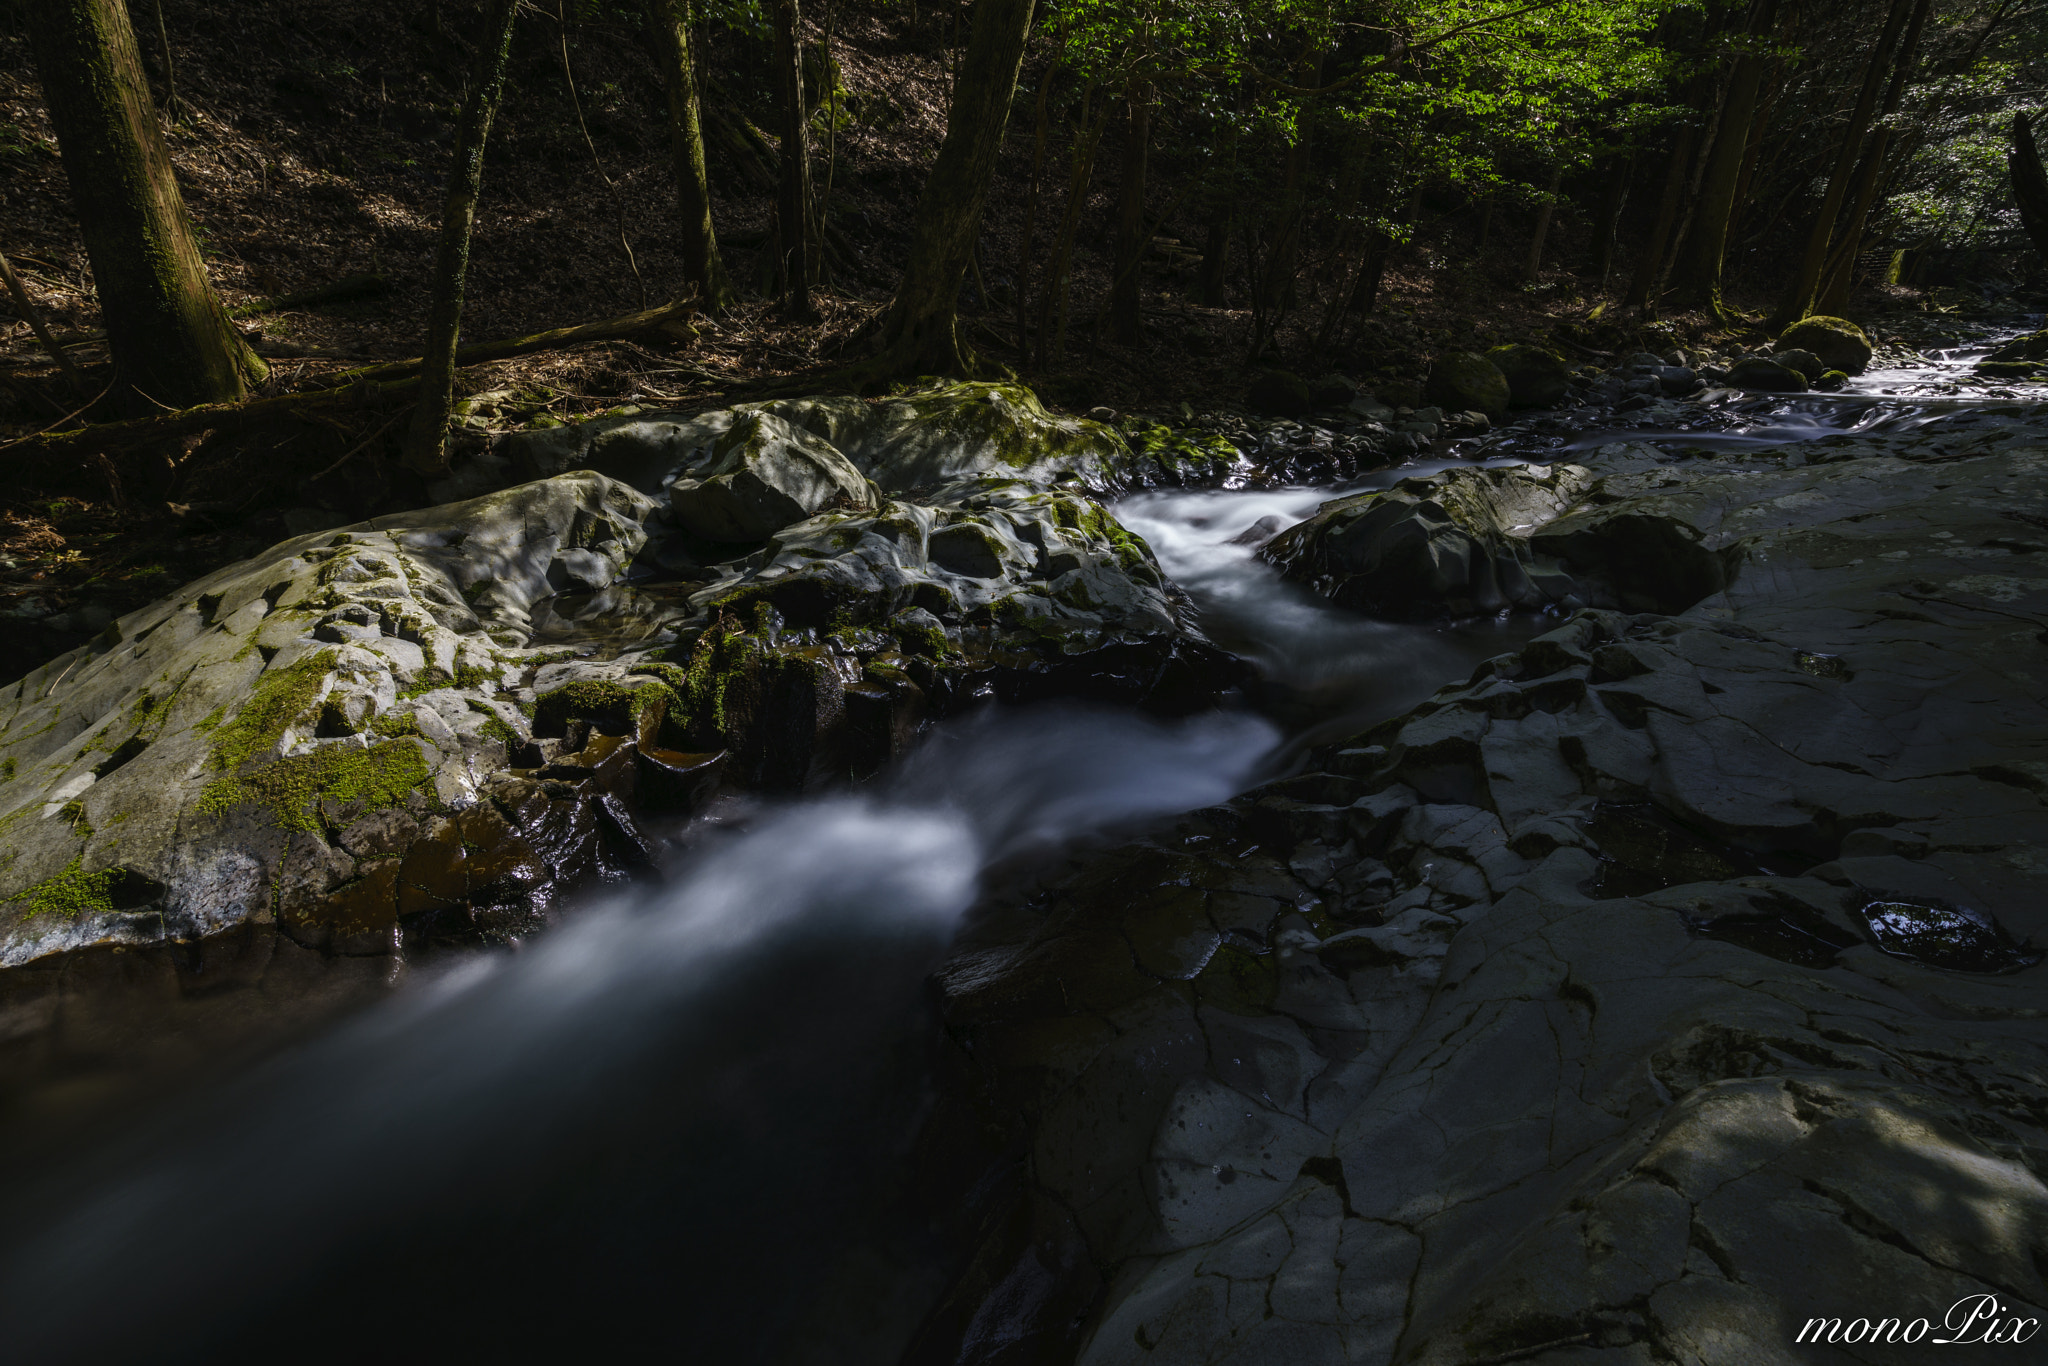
{"x":671,"y":320}
{"x":206,"y":417}
{"x":366,"y":286}
{"x":369,"y":387}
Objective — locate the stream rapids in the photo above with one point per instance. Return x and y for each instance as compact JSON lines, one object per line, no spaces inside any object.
{"x":687,"y":1120}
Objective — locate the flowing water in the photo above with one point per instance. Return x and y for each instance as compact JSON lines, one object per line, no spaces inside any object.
{"x":680,"y":1124}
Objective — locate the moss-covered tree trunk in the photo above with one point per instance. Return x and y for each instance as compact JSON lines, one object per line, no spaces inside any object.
{"x":426,"y":446}
{"x":1696,"y":271}
{"x":793,"y":190}
{"x":698,"y":243}
{"x":920,"y":335}
{"x":1798,"y":299}
{"x":1126,"y":324}
{"x":170,"y":338}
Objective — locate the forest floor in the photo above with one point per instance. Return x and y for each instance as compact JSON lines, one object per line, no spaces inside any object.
{"x":310,"y":142}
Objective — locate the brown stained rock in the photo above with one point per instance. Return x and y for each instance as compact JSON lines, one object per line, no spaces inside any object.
{"x":432,"y":877}
{"x":380,"y":834}
{"x":363,"y":910}
{"x":670,"y":780}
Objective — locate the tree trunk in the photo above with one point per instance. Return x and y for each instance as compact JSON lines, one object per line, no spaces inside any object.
{"x":793,"y":200}
{"x":1126,"y":324}
{"x":1837,"y":278}
{"x":1798,"y":300}
{"x":2029,"y":183}
{"x":1209,"y":281}
{"x":1696,"y":273}
{"x":170,"y":338}
{"x":1613,"y":197}
{"x":921,"y":333}
{"x":426,"y":443}
{"x":1533,"y":269}
{"x":702,"y":266}
{"x":1052,"y":305}
{"x":1027,"y":243}
{"x":1642,"y":286}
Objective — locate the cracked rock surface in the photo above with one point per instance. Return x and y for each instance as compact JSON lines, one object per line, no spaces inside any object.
{"x":1673,"y":981}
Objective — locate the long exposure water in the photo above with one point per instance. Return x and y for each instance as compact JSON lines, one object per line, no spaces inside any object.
{"x":680,"y":1123}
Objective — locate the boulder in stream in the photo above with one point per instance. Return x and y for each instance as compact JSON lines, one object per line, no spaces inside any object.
{"x":1536,"y":378}
{"x":1839,"y":343}
{"x":1461,"y":380}
{"x":1761,"y":372}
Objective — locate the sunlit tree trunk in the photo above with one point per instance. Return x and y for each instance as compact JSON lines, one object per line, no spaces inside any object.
{"x":426,"y":445}
{"x":698,"y":244}
{"x":171,"y":340}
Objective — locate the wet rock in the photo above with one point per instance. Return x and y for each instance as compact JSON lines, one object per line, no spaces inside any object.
{"x":1450,"y":545}
{"x":1757,"y":372}
{"x":762,"y":475}
{"x":1536,"y":378}
{"x":1587,"y":1008}
{"x":1805,"y":362}
{"x":1838,"y":343}
{"x":1462,"y":379}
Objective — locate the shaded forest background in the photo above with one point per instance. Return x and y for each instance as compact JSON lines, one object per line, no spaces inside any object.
{"x":1184,"y":195}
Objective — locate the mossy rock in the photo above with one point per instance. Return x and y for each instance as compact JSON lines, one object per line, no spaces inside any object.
{"x":1463,"y":381}
{"x":1536,"y":378}
{"x":1755,"y":372}
{"x":633,"y":706}
{"x":1839,"y":343}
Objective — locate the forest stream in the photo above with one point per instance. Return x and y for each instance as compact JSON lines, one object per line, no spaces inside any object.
{"x":699,"y":1115}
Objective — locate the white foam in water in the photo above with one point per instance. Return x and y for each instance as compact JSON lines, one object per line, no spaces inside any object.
{"x":466,"y":1078}
{"x":1299,"y":639}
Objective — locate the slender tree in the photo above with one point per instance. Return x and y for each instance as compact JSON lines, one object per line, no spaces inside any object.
{"x":702,"y":266}
{"x":1125,"y":322}
{"x":1798,"y":300}
{"x":793,"y":199}
{"x":1696,"y":273}
{"x":1870,"y":172}
{"x":426,"y":446}
{"x":920,"y":333}
{"x":171,"y":340}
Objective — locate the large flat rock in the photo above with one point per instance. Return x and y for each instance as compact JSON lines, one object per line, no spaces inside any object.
{"x":1672,"y":982}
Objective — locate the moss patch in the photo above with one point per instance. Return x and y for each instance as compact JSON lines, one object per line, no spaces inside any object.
{"x":280,"y":698}
{"x":291,"y":789}
{"x":71,"y":894}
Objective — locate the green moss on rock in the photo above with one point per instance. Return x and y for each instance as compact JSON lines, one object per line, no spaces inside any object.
{"x":291,"y":789}
{"x":280,"y":698}
{"x":71,"y":894}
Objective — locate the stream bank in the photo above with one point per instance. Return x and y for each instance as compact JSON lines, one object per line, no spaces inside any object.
{"x":1702,"y":911}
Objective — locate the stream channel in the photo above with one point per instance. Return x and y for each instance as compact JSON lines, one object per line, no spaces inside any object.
{"x":682,"y":1123}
